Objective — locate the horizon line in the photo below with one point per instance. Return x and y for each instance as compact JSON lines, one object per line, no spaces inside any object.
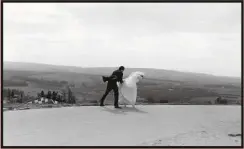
{"x":239,"y":77}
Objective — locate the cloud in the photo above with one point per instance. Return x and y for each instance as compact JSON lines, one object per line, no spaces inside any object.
{"x":198,"y":37}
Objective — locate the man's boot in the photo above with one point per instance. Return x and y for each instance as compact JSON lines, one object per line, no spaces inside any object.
{"x":116,"y":101}
{"x":102,"y":102}
{"x":117,"y":107}
{"x":103,"y":98}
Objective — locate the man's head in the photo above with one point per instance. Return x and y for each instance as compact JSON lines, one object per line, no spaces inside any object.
{"x":122,"y":68}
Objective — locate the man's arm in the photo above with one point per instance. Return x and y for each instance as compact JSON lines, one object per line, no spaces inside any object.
{"x":114,"y":76}
{"x":120,"y":77}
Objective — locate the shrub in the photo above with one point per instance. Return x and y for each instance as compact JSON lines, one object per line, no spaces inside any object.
{"x":150,"y":100}
{"x":164,"y":101}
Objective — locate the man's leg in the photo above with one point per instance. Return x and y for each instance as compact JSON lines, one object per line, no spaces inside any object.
{"x":105,"y":95}
{"x":116,"y":97}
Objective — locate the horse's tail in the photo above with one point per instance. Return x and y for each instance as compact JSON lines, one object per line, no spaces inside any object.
{"x":105,"y":79}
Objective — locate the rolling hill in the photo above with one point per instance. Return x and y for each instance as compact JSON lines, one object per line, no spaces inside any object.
{"x":157,"y":87}
{"x":150,"y":73}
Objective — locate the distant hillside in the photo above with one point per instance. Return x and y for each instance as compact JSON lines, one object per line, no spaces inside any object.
{"x":159,"y":86}
{"x":150,"y":73}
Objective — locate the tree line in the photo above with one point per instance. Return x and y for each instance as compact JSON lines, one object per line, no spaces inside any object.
{"x":18,"y":96}
{"x":65,"y":96}
{"x":13,"y":95}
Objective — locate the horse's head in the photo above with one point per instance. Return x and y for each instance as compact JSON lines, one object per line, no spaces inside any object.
{"x":137,"y":76}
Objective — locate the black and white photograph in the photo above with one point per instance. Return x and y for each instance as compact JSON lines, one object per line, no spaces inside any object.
{"x":122,"y":74}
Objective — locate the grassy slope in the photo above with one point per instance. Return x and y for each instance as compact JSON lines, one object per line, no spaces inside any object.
{"x":151,"y":73}
{"x":88,"y":84}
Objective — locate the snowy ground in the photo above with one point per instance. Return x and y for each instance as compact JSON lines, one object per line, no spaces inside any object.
{"x":161,"y":125}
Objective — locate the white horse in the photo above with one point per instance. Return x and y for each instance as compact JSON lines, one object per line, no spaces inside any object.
{"x":128,"y":90}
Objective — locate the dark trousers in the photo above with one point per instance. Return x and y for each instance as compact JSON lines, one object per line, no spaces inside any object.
{"x":111,"y":86}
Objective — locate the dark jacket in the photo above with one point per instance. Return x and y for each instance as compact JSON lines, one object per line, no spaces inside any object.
{"x":117,"y":76}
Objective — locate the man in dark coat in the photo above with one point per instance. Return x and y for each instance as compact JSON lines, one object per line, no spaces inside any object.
{"x":117,"y":76}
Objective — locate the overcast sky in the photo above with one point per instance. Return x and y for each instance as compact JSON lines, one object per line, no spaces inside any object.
{"x":194,"y":37}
